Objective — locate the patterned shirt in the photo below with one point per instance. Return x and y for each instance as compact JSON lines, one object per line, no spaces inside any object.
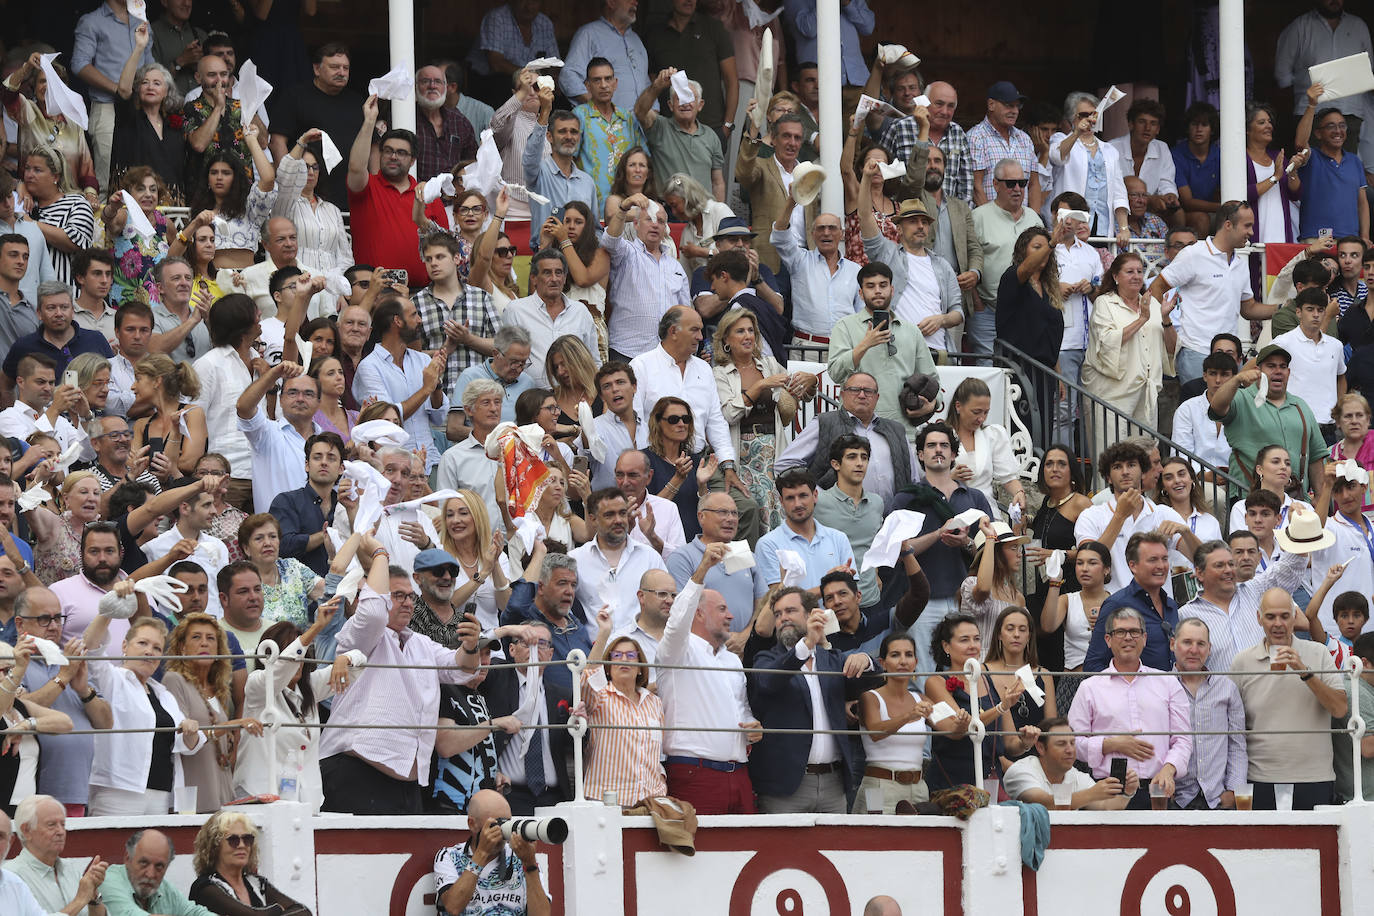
{"x":439,"y":152}
{"x":73,"y":215}
{"x":426,"y":623}
{"x":987,"y":148}
{"x":1151,"y":227}
{"x":603,"y":143}
{"x":899,"y":135}
{"x":500,"y":887}
{"x":458,"y":778}
{"x":500,"y":32}
{"x":472,"y":308}
{"x":622,"y":760}
{"x":228,"y":135}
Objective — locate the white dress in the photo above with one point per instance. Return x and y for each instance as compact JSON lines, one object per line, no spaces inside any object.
{"x":1077,"y":632}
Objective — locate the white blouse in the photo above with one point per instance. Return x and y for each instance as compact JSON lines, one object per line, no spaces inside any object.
{"x":122,"y":760}
{"x":320,"y":232}
{"x":991,"y":459}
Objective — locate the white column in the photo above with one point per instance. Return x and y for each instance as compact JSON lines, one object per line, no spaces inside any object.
{"x":1232,"y":63}
{"x":831,"y":75}
{"x":401,"y":32}
{"x":593,"y":857}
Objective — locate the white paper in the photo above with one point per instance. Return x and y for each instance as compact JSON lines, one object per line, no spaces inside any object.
{"x":396,"y":84}
{"x":304,"y":350}
{"x":867,"y":105}
{"x":1261,"y":390}
{"x":61,"y":99}
{"x":940,"y":712}
{"x":1033,"y":690}
{"x":50,"y":651}
{"x":138,"y":9}
{"x":758,"y":17}
{"x":544,"y":82}
{"x":900,"y":525}
{"x":520,"y":192}
{"x":793,"y":567}
{"x":595,"y":445}
{"x":335,"y":282}
{"x":138,"y":220}
{"x":1343,"y":76}
{"x":1350,"y":470}
{"x":332,"y":156}
{"x":544,"y":63}
{"x":969,"y":517}
{"x":116,"y":608}
{"x":382,"y":431}
{"x":33,"y":497}
{"x":1054,"y":564}
{"x":681,"y":88}
{"x":1113,"y":96}
{"x":348,"y":585}
{"x":737,"y":557}
{"x":891,"y":170}
{"x":921,"y":101}
{"x":763,"y":84}
{"x":832,"y":623}
{"x":528,"y":530}
{"x":484,"y":174}
{"x":441,"y":184}
{"x":252,"y":91}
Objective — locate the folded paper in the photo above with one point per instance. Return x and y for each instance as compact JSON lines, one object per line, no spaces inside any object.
{"x":49,"y":651}
{"x":396,"y":84}
{"x":1113,"y":96}
{"x":544,"y":82}
{"x":922,"y":101}
{"x":332,"y":156}
{"x":61,"y":99}
{"x":137,"y":219}
{"x":1033,"y":690}
{"x":832,"y":623}
{"x":793,"y":567}
{"x":252,"y":92}
{"x":891,"y":170}
{"x":1344,"y":76}
{"x":940,"y":712}
{"x":900,"y":525}
{"x":737,"y":557}
{"x":682,"y":88}
{"x":968,"y":517}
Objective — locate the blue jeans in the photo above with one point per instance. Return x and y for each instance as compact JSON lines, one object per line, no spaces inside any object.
{"x":981,"y":331}
{"x":1188,"y":364}
{"x":923,"y":630}
{"x":1066,"y":410}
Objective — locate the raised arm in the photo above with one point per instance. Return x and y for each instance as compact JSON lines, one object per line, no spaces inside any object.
{"x":125,"y":87}
{"x":361,"y":151}
{"x":644,"y":105}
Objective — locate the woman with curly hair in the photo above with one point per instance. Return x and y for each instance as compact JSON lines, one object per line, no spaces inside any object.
{"x":689,"y":201}
{"x":226,"y":197}
{"x":634,"y":174}
{"x":135,"y":254}
{"x":147,"y":131}
{"x":226,"y":864}
{"x":201,"y":686}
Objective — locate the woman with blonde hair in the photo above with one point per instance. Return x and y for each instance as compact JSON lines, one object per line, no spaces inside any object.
{"x":226,"y":865}
{"x":174,"y":428}
{"x":571,"y":372}
{"x":201,"y":687}
{"x":688,"y":201}
{"x":483,"y":577}
{"x":93,"y":381}
{"x":57,"y":537}
{"x":757,"y":403}
{"x":65,"y":218}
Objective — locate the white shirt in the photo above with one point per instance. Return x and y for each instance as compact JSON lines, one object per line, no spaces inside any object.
{"x":819,"y":297}
{"x":659,"y":376}
{"x":1078,"y":261}
{"x":1028,"y":773}
{"x":667,"y":524}
{"x":531,"y":314}
{"x":1095,"y":519}
{"x":1199,"y":434}
{"x":708,"y":699}
{"x":121,"y":396}
{"x":647,"y":644}
{"x":15,"y":897}
{"x":21,"y":421}
{"x":211,"y":555}
{"x":1313,"y":370}
{"x":1156,"y":169}
{"x":122,"y":760}
{"x":1236,"y":519}
{"x":797,"y":221}
{"x":223,"y":377}
{"x":920,"y":297}
{"x":1213,"y":288}
{"x":533,"y":710}
{"x":596,"y":573}
{"x":1352,"y":549}
{"x":1072,"y":175}
{"x":823,"y":747}
{"x":616,"y":435}
{"x":278,"y":457}
{"x":1206,"y":527}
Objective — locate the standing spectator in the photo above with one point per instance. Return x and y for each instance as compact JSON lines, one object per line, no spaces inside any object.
{"x":996,"y":138}
{"x":825,"y":285}
{"x":856,"y":21}
{"x":1341,"y":742}
{"x":548,"y":314}
{"x":884,"y":205}
{"x":224,"y":373}
{"x":106,"y":41}
{"x":512,"y":126}
{"x":381,"y":202}
{"x":611,"y":37}
{"x":719,"y":521}
{"x":998,"y":222}
{"x":1031,"y":315}
{"x":322,"y":239}
{"x":1197,"y":166}
{"x":1149,"y":158}
{"x":38,"y":397}
{"x":1318,"y":365}
{"x":476,"y":111}
{"x":682,"y":143}
{"x":954,"y":237}
{"x":135,"y":255}
{"x":275,"y":38}
{"x":177,"y":44}
{"x":510,"y":36}
{"x":693,"y":40}
{"x":1088,"y":167}
{"x":226,"y":199}
{"x":65,"y":217}
{"x":40,"y":128}
{"x":57,"y":884}
{"x":486,"y":874}
{"x":1218,"y":763}
{"x":455,"y":317}
{"x":324,"y":102}
{"x":612,"y":558}
{"x":608,"y":131}
{"x":1335,"y":197}
{"x":213,"y":121}
{"x":1275,"y":704}
{"x":647,"y":284}
{"x":304,"y":514}
{"x":1031,"y":779}
{"x":395,"y":373}
{"x":624,"y":762}
{"x":1269,"y":191}
{"x":769,"y":185}
{"x":1325,"y":33}
{"x":556,"y":175}
{"x":278,"y":444}
{"x":445,"y":136}
{"x":900,"y":134}
{"x":987,"y":460}
{"x":748,"y":40}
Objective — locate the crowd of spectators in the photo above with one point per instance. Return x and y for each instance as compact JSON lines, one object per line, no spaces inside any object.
{"x":430,"y":410}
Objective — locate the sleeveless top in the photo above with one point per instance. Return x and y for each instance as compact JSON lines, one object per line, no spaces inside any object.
{"x":1077,"y":632}
{"x":900,"y":751}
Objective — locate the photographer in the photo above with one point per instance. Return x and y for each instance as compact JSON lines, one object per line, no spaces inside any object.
{"x":489,"y":876}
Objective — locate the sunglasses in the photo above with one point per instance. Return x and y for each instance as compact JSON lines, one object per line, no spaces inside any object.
{"x":1014,"y":182}
{"x":235,"y":840}
{"x":504,"y":251}
{"x":676,"y":418}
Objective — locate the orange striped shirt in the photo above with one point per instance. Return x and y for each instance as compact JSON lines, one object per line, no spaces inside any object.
{"x":624,"y":761}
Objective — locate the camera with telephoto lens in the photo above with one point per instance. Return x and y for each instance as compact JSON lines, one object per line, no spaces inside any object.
{"x":553,"y":830}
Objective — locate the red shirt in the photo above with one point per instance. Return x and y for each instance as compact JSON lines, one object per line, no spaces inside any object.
{"x":383,"y":233}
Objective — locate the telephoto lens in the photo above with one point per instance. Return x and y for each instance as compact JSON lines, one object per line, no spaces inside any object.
{"x":552,"y":830}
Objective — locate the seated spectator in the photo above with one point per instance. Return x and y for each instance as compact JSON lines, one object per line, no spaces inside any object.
{"x":1272,"y":473}
{"x":570,"y":368}
{"x":58,"y":538}
{"x":112,"y":441}
{"x":26,"y":716}
{"x":505,"y":368}
{"x":225,"y":197}
{"x":465,"y":464}
{"x":1012,"y":646}
{"x":853,"y":161}
{"x":328,"y":373}
{"x":24,"y":94}
{"x":93,"y":381}
{"x":467,"y":214}
{"x":192,"y":521}
{"x":226,"y":865}
{"x":412,"y":378}
{"x":139,"y":884}
{"x":1197,"y":167}
{"x":1217,"y":767}
{"x":1032,"y":778}
{"x":323,"y":239}
{"x":555,"y":175}
{"x":682,"y":142}
{"x":548,"y":314}
{"x":59,"y":337}
{"x":135,"y":255}
{"x":610,"y":37}
{"x":494,"y":257}
{"x":146,"y":135}
{"x":57,"y":884}
{"x":609,"y":132}
{"x":478,"y":876}
{"x":1204,"y":437}
{"x":626,"y":763}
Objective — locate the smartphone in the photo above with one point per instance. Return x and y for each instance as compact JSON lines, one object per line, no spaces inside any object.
{"x":69,"y":378}
{"x":1324,"y":233}
{"x":391,"y":275}
{"x":880,"y":316}
{"x":582,"y":463}
{"x":1119,"y":770}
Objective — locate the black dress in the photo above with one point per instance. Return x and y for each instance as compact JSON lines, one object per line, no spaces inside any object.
{"x":9,"y":763}
{"x":1027,"y":321}
{"x":137,"y":143}
{"x":951,"y":759}
{"x":1055,"y":532}
{"x":686,"y":498}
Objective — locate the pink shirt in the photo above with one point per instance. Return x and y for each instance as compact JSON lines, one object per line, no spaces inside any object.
{"x":79,"y":597}
{"x":1146,"y":704}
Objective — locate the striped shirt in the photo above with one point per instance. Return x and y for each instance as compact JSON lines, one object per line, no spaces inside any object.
{"x":1219,"y":762}
{"x":642,"y":287}
{"x":620,"y":760}
{"x":73,"y":215}
{"x":899,"y":136}
{"x":1232,"y":630}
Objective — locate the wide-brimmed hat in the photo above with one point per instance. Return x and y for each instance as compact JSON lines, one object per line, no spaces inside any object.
{"x":807,"y":179}
{"x":1304,"y":532}
{"x":733,"y":227}
{"x":1003,"y":533}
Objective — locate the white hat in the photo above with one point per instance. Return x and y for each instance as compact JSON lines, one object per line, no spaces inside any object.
{"x":1304,"y":533}
{"x":1003,"y":533}
{"x":807,"y":179}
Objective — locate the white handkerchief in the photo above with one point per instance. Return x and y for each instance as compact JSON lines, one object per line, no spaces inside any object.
{"x":737,"y":557}
{"x":900,"y":525}
{"x":922,"y":101}
{"x":1033,"y":690}
{"x":868,"y":104}
{"x":348,"y":585}
{"x":940,"y":712}
{"x":528,"y":529}
{"x":485,"y":172}
{"x":396,"y":84}
{"x":335,"y":282}
{"x":162,"y":592}
{"x":532,"y":434}
{"x":332,"y":156}
{"x":763,"y":84}
{"x":437,"y":496}
{"x":49,"y":650}
{"x":138,"y":220}
{"x":832,"y":623}
{"x":608,"y":597}
{"x":70,"y":455}
{"x":544,"y":63}
{"x":1261,"y":390}
{"x":968,"y":517}
{"x":252,"y":90}
{"x":138,"y":9}
{"x":116,"y":608}
{"x":520,"y":192}
{"x":1080,"y":215}
{"x":758,"y":17}
{"x":305,"y":350}
{"x":1343,"y":76}
{"x":382,"y":431}
{"x":544,"y":82}
{"x":1054,"y":564}
{"x":439,"y":184}
{"x":375,"y":488}
{"x":1350,"y":470}
{"x":33,"y":497}
{"x":682,"y":90}
{"x":595,"y":445}
{"x":793,"y":567}
{"x":890,"y":170}
{"x":1113,"y":96}
{"x":61,"y":99}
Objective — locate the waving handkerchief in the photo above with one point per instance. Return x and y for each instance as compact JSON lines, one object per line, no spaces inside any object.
{"x":396,"y":84}
{"x":50,"y":651}
{"x":252,"y":90}
{"x":375,"y":488}
{"x":1350,"y":470}
{"x":485,"y":172}
{"x":890,"y":170}
{"x":1081,"y":215}
{"x":383,"y":431}
{"x":544,"y":82}
{"x":1033,"y":690}
{"x":1261,"y":390}
{"x":33,"y":497}
{"x":61,"y":99}
{"x":793,"y":567}
{"x":921,"y":101}
{"x":763,"y":84}
{"x":304,"y":351}
{"x":335,"y":282}
{"x":348,"y":586}
{"x":867,"y":105}
{"x":520,"y":192}
{"x":900,"y":525}
{"x":532,"y":434}
{"x":544,"y":63}
{"x":439,"y":185}
{"x":737,"y":557}
{"x":528,"y":529}
{"x":1113,"y":96}
{"x":115,"y":607}
{"x":1054,"y":564}
{"x":525,"y":473}
{"x":682,"y":88}
{"x":70,"y":455}
{"x":758,"y":17}
{"x":966,"y":518}
{"x":138,"y":220}
{"x":138,"y":9}
{"x":162,"y":592}
{"x":437,"y":496}
{"x":899,"y":55}
{"x":595,"y":445}
{"x":332,"y":156}
{"x":940,"y":712}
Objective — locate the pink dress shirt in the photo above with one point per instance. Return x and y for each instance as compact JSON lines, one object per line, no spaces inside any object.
{"x":1148,"y":704}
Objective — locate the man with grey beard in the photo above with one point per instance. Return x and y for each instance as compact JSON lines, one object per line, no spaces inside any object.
{"x":444,"y":137}
{"x":798,"y":772}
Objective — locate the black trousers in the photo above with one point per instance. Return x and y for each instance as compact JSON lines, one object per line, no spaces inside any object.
{"x":1306,"y":795}
{"x":352,"y":786}
{"x":523,"y":801}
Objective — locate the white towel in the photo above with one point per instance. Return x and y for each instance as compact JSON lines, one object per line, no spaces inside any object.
{"x":396,"y":84}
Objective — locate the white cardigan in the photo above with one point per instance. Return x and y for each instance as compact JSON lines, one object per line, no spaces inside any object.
{"x":122,"y":760}
{"x":1073,"y":176}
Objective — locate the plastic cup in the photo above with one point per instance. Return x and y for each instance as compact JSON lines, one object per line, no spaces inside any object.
{"x":1245,"y":798}
{"x":1063,"y":796}
{"x":1283,"y":796}
{"x":1158,"y":800}
{"x":993,"y":786}
{"x":185,"y":799}
{"x":873,"y":801}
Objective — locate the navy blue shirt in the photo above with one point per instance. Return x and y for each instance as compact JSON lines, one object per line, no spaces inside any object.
{"x":84,"y":342}
{"x":1329,"y":194}
{"x":945,"y":567}
{"x":1158,"y":630}
{"x":1203,"y":178}
{"x":298,"y":512}
{"x":520,"y":609}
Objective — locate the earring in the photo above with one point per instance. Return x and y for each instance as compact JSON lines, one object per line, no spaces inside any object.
{"x":725,"y":347}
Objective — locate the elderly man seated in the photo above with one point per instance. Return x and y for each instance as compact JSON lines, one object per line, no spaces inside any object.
{"x":137,"y":886}
{"x":59,"y":885}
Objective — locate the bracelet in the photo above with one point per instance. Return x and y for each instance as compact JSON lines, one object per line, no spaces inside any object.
{"x":1163,"y":325}
{"x":7,"y":684}
{"x":566,"y":243}
{"x":380,"y":550}
{"x":531,"y":868}
{"x":1056,"y":582}
{"x":1305,"y":677}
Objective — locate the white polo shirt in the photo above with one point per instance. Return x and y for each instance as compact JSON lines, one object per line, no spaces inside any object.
{"x":1214,"y":287}
{"x":1095,"y":519}
{"x":1313,"y":369}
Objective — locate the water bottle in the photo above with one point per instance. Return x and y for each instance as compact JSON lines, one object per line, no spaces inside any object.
{"x":288,"y":784}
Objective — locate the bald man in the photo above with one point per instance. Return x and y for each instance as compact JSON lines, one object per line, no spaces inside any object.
{"x":882,"y":905}
{"x":657,"y":591}
{"x":138,"y":885}
{"x":899,"y":136}
{"x":490,"y":862}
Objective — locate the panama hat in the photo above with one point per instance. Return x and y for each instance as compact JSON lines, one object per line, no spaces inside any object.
{"x":1304,"y":533}
{"x":807,"y":179}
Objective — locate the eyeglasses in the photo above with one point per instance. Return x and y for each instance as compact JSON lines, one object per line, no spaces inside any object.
{"x":504,"y":251}
{"x":662,"y":594}
{"x":46,"y":620}
{"x":854,"y":389}
{"x":123,"y":435}
{"x":393,"y":153}
{"x":311,"y":168}
{"x":432,"y":81}
{"x":724,"y":513}
{"x":477,"y":210}
{"x":521,"y":363}
{"x":401,"y":597}
{"x":629,"y":655}
{"x":1014,"y":182}
{"x":235,"y":840}
{"x":1336,"y":127}
{"x":550,"y":408}
{"x":676,"y":418}
{"x":1133,"y":633}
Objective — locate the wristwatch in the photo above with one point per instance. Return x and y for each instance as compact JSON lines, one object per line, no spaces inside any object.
{"x":1305,"y":677}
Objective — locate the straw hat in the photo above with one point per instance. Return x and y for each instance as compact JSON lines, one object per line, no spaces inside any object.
{"x":1002,"y":531}
{"x":807,"y":179}
{"x":1304,"y":533}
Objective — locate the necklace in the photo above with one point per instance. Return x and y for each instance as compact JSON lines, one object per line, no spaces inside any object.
{"x":1059,"y":502}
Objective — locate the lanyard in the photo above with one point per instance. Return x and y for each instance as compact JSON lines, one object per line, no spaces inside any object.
{"x":1192,"y":522}
{"x":1366,"y":532}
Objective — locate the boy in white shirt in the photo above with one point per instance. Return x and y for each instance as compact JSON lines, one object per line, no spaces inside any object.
{"x":1317,"y":360}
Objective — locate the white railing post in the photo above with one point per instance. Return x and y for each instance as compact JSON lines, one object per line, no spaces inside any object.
{"x":577,"y":725}
{"x":973,"y":674}
{"x":1231,"y":66}
{"x":271,"y":716}
{"x":830,"y":71}
{"x":1357,"y":724}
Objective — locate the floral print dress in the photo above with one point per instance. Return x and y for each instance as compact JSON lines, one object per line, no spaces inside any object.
{"x":135,"y":258}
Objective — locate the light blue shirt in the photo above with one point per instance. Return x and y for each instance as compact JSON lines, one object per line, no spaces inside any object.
{"x":15,"y":897}
{"x":625,"y":52}
{"x":478,"y":113}
{"x":856,"y":19}
{"x":740,"y":588}
{"x":819,"y":298}
{"x":40,"y":268}
{"x":379,"y":376}
{"x":827,"y":549}
{"x":105,"y":42}
{"x":542,"y":176}
{"x":510,"y":390}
